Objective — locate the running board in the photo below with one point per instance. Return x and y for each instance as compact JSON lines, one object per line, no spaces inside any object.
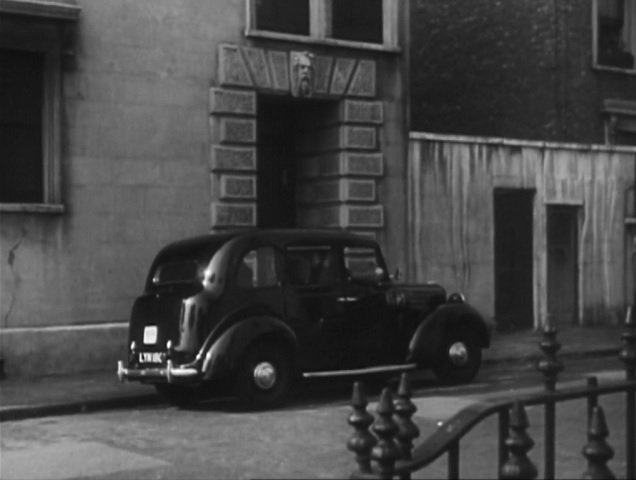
{"x":361,"y":371}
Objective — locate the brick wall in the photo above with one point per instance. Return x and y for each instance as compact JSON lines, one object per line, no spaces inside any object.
{"x":519,"y":69}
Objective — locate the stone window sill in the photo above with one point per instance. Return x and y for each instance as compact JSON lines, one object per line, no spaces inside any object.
{"x":603,"y":68}
{"x":252,"y":33}
{"x":38,"y":208}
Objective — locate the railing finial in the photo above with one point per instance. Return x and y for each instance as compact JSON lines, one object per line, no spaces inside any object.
{"x":627,"y":354}
{"x":362,"y":441}
{"x":597,"y":451}
{"x":385,"y":452}
{"x":550,"y":365}
{"x":404,"y":410}
{"x":519,"y":443}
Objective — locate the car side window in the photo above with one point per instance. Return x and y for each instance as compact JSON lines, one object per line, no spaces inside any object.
{"x":314,"y":265}
{"x":363,"y":263}
{"x":257,"y":269}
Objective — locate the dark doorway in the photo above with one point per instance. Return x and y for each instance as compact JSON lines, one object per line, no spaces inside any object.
{"x":276,"y":170}
{"x":562,"y":232}
{"x":286,"y":128}
{"x":513,"y":259}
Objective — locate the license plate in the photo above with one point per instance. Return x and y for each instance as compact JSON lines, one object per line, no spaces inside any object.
{"x":150,"y":357}
{"x":150,"y":335}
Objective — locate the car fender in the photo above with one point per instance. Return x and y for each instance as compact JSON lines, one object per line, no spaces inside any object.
{"x":428,"y":337}
{"x":226,"y":352}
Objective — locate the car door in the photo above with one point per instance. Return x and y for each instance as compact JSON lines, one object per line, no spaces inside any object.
{"x":312,"y":307}
{"x":374,"y":329}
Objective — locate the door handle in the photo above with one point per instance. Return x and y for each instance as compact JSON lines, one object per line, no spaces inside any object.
{"x":347,"y":299}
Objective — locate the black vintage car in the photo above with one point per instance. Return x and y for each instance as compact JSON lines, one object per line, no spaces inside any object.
{"x":262,"y":308}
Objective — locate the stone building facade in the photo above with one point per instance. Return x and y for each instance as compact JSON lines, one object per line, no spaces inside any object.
{"x":161,"y":119}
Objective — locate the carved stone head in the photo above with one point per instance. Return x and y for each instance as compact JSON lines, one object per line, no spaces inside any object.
{"x":302,"y":74}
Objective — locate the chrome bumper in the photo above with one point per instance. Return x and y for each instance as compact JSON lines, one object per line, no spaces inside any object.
{"x":168,"y":373}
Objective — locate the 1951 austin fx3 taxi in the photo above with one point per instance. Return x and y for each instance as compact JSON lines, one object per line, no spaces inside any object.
{"x":259,"y":309}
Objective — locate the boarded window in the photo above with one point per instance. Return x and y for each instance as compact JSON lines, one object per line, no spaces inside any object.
{"x":357,"y":20}
{"x":21,"y":104}
{"x":284,"y":16}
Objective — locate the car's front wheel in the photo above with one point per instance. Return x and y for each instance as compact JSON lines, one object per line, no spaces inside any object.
{"x":264,"y":377}
{"x":459,"y":358}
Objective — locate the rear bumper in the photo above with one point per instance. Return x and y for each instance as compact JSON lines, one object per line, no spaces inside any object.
{"x":167,"y":374}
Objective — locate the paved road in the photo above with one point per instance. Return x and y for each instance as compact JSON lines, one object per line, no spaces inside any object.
{"x":304,"y":440}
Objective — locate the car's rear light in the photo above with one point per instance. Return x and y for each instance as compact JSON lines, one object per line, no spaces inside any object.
{"x":132,"y":354}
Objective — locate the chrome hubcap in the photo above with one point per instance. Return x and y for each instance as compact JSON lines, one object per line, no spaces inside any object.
{"x":265,"y":375}
{"x":458,"y":354}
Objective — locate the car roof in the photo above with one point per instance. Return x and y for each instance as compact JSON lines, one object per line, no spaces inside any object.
{"x":279,"y":236}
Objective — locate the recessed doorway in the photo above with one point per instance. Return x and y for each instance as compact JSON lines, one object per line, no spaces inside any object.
{"x":514,"y":259}
{"x":288,"y":131}
{"x":563,"y":270}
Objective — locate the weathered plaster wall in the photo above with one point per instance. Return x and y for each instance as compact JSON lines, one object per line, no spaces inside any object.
{"x":137,"y":159}
{"x":135,"y":153}
{"x":451,"y":181}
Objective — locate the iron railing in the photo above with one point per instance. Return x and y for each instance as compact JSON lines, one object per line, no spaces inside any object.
{"x":383,"y":445}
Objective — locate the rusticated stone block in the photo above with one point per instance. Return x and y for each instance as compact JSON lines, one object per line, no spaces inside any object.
{"x":360,"y":137}
{"x":358,"y":111}
{"x":233,"y":158}
{"x":232,"y":67}
{"x":341,"y":75}
{"x":258,"y":66}
{"x":233,"y":214}
{"x":371,"y":164}
{"x":236,"y":130}
{"x":322,"y":73}
{"x":363,"y":83}
{"x":238,"y":187}
{"x":359,"y":190}
{"x":370,"y":217}
{"x":279,"y":64}
{"x":238,"y":102}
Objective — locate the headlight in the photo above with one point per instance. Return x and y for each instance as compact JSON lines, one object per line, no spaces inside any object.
{"x":456,"y":297}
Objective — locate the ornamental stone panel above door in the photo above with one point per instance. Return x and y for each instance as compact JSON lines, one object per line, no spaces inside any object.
{"x":340,"y":157}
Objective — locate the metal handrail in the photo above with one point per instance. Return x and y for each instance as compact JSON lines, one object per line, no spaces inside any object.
{"x":388,"y":442}
{"x":458,"y":426}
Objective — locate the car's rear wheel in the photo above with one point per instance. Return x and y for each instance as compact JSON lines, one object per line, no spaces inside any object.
{"x":264,"y":377}
{"x":459,"y":358}
{"x":178,"y":395}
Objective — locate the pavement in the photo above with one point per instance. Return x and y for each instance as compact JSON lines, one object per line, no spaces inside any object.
{"x":23,"y":398}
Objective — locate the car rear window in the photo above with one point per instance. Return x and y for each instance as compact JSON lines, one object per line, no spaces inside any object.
{"x":186,"y":264}
{"x":178,"y":272}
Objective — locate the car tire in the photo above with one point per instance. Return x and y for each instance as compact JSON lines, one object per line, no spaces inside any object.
{"x":264,"y":377}
{"x":178,"y":395}
{"x":459,"y":357}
